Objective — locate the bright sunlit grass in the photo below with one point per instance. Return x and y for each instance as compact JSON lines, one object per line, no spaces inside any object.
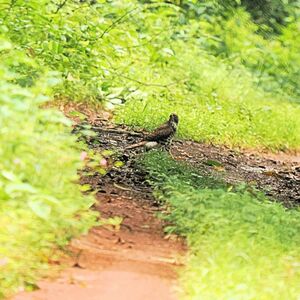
{"x":221,"y":105}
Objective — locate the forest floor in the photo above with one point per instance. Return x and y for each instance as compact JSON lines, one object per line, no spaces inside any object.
{"x":136,"y":260}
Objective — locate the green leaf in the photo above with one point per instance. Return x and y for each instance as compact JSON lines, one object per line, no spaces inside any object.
{"x":51,"y":199}
{"x":45,"y":198}
{"x":78,"y":114}
{"x":118,"y":164}
{"x":9,"y":175}
{"x":213,"y":163}
{"x":40,"y":208}
{"x":31,"y":286}
{"x":5,"y":45}
{"x":87,"y":132}
{"x":85,"y":187}
{"x":107,"y":153}
{"x":20,"y":187}
{"x":168,"y":51}
{"x":100,"y":170}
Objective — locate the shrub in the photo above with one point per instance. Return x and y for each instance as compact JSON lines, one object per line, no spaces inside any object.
{"x":40,"y":206}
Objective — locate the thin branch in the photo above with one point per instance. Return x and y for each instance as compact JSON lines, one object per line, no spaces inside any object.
{"x":150,"y":84}
{"x":60,"y":6}
{"x":138,"y":81}
{"x":141,"y":82}
{"x":110,"y":27}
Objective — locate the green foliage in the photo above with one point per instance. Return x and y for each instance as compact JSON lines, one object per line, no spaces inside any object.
{"x":218,"y":99}
{"x":274,"y":14}
{"x":242,"y":246}
{"x":230,"y":80}
{"x":218,"y":104}
{"x":270,"y":15}
{"x":238,"y":96}
{"x":274,"y":62}
{"x":206,"y":59}
{"x":40,"y":206}
{"x":86,"y":43}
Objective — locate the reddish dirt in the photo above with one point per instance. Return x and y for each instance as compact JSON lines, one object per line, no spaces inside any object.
{"x":135,"y":262}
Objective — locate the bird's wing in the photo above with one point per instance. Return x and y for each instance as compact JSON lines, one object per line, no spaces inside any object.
{"x":161,"y":133}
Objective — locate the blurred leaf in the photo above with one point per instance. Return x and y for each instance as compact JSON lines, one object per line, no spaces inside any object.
{"x":107,"y":153}
{"x":213,"y":163}
{"x":85,"y":187}
{"x":118,"y":164}
{"x":20,"y":187}
{"x":89,"y":133}
{"x":40,"y":208}
{"x":78,"y":114}
{"x":9,"y":175}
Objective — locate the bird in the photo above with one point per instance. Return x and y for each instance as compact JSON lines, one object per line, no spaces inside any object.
{"x":162,"y":135}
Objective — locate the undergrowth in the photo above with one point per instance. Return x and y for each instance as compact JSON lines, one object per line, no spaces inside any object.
{"x":242,"y":246}
{"x":218,"y":104}
{"x":41,"y":207}
{"x":230,"y":80}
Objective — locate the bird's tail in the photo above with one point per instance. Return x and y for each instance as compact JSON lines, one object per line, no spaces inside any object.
{"x":140,"y":144}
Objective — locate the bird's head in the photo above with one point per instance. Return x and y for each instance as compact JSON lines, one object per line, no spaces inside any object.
{"x":174,"y":118}
{"x":173,"y":121}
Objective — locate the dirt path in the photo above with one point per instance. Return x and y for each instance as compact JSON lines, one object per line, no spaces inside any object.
{"x":278,"y":176}
{"x":136,"y":262}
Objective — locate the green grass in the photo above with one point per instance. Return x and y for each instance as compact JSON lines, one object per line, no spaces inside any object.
{"x":242,"y":246}
{"x":218,"y":104}
{"x":228,"y":83}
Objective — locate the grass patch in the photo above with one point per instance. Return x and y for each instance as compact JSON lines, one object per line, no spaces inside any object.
{"x":242,"y":246}
{"x":207,"y":61}
{"x":217,"y":104}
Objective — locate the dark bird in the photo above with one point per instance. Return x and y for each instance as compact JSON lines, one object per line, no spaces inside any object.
{"x":162,"y":135}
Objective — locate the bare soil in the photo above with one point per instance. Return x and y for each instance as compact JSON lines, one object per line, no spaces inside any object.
{"x":134,"y":261}
{"x":137,"y":261}
{"x":277,"y":175}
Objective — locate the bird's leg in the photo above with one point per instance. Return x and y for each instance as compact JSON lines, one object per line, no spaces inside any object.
{"x":170,"y":153}
{"x":167,"y":147}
